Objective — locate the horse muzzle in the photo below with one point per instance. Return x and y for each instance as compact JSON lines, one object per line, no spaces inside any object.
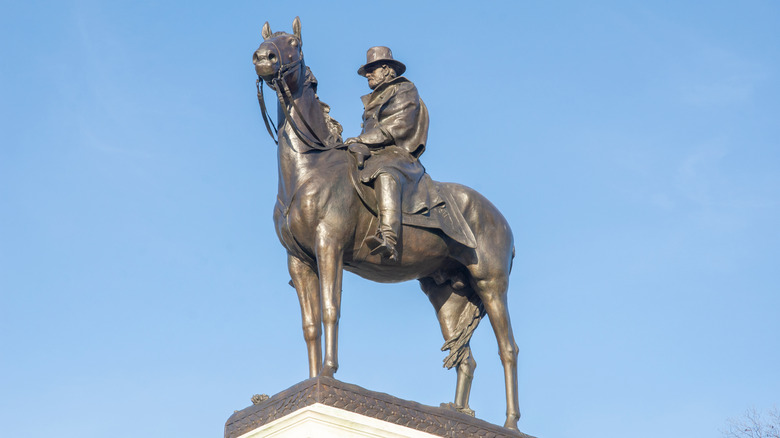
{"x":266,"y":63}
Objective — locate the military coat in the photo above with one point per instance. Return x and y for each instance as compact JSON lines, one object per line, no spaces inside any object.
{"x":395,"y":128}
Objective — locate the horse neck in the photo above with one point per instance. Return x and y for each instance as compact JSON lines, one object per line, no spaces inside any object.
{"x":296,"y":160}
{"x":305,"y":100}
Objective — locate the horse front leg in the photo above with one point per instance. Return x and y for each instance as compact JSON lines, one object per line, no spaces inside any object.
{"x":330,"y":267}
{"x":307,"y":286}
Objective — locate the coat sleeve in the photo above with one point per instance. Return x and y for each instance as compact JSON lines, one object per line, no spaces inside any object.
{"x":374,"y":136}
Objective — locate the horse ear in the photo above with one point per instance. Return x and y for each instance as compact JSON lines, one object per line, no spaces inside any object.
{"x":266,"y":30}
{"x":297,"y":28}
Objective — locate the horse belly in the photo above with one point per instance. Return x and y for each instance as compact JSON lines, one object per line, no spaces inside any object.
{"x":422,"y":252}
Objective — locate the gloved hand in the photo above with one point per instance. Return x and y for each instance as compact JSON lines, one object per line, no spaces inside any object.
{"x":360,"y":151}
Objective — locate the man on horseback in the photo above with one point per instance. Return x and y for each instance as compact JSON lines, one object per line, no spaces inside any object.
{"x":395,"y":130}
{"x":457,"y":244}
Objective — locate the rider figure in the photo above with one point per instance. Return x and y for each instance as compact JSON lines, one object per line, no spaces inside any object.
{"x":395,"y":130}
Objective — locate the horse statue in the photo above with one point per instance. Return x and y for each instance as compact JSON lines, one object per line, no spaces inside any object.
{"x":322,"y":220}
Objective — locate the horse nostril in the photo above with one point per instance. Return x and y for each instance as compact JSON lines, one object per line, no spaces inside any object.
{"x":272,"y":57}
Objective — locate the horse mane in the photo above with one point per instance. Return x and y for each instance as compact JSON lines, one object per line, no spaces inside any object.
{"x":334,"y":127}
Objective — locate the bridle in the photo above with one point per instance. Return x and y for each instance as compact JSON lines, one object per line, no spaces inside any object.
{"x":284,"y":94}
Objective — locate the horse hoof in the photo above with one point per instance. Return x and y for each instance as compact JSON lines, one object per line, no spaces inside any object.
{"x":453,"y":407}
{"x":511,"y":424}
{"x":328,"y":371}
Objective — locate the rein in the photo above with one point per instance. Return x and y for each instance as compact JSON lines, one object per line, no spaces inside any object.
{"x":264,"y":111}
{"x":284,"y":94}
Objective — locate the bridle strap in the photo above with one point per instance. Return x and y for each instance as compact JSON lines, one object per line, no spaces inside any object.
{"x":283,"y":93}
{"x":264,"y":111}
{"x":283,"y":97}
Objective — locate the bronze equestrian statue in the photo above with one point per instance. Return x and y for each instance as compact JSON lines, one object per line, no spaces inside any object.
{"x":363,"y":205}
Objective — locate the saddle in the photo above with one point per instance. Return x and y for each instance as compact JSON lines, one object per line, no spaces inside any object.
{"x":443,"y":213}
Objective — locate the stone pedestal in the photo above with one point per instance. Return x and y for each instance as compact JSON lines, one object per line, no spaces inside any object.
{"x":327,"y":408}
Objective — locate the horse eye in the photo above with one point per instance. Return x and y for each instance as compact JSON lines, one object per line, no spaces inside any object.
{"x":294,"y":43}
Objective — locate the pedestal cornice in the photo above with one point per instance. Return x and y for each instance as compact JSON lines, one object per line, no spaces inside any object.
{"x":352,"y":398}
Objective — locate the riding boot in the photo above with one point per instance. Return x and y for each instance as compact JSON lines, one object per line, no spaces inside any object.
{"x":388,"y":197}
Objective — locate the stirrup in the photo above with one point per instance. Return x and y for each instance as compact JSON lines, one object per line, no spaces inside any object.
{"x":381,"y":246}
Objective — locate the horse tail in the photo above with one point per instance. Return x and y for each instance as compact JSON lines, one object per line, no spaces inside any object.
{"x":458,"y":344}
{"x":512,"y":259}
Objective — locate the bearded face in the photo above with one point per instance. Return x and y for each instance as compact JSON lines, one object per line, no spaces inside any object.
{"x":379,"y":76}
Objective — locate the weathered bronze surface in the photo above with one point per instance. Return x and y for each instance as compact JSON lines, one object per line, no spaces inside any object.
{"x":366,"y":205}
{"x":353,"y":398}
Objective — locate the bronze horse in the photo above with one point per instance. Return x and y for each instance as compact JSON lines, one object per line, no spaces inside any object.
{"x":322,"y":222}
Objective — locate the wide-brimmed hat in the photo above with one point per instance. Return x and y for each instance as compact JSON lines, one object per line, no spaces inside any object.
{"x":381,"y":55}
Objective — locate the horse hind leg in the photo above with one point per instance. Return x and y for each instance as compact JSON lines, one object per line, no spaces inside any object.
{"x":306,"y":284}
{"x":465,"y":372}
{"x":458,"y":317}
{"x":493,"y":292}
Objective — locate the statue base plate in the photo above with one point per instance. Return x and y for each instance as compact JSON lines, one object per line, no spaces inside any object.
{"x":323,"y":407}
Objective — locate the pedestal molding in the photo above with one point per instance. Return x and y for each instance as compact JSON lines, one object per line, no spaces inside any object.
{"x":436,"y":421}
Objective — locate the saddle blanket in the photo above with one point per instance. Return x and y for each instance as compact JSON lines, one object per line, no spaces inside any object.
{"x":444,"y":214}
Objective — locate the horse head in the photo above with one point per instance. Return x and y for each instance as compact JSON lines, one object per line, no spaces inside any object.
{"x":280,"y":56}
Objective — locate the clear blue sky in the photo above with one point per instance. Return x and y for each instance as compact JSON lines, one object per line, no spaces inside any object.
{"x":633,"y":146}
